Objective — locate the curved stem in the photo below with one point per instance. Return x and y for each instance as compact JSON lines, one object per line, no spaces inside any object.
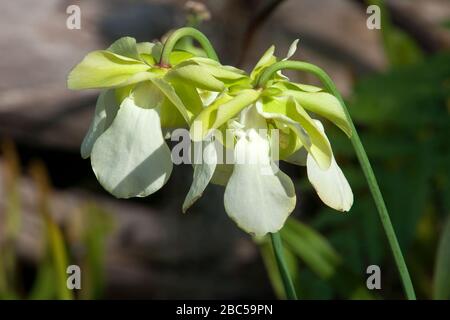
{"x":186,"y":32}
{"x":363,"y":160}
{"x":282,"y":267}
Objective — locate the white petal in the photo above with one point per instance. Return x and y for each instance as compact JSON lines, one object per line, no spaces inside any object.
{"x":258,"y":197}
{"x":292,"y":49}
{"x":207,"y":97}
{"x":203,"y":173}
{"x":331,"y":185}
{"x":131,"y":158}
{"x":105,"y":112}
{"x":291,"y":52}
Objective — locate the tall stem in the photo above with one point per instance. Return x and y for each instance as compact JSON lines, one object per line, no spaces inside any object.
{"x":282,"y":267}
{"x":172,"y":40}
{"x":363,"y":160}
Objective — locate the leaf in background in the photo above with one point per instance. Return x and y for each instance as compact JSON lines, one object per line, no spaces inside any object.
{"x":400,"y":48}
{"x":56,"y":247}
{"x":273,"y":273}
{"x":442,"y":267}
{"x":44,"y":286}
{"x":311,"y":247}
{"x":97,"y":224}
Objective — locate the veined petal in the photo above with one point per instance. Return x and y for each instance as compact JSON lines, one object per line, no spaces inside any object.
{"x":266,"y":60}
{"x":205,"y":120}
{"x":320,"y":146}
{"x":104,"y":69}
{"x":291,"y":52}
{"x":207,"y":61}
{"x":177,"y":56}
{"x":145,"y":47}
{"x":168,"y":90}
{"x":126,"y":47}
{"x":105,"y":112}
{"x":145,"y":50}
{"x":231,"y":108}
{"x":289,"y":143}
{"x":190,"y":98}
{"x":330,"y":184}
{"x":325,"y":105}
{"x":131,"y":158}
{"x":288,"y":85}
{"x":196,"y":76}
{"x":291,"y":113}
{"x":258,"y":197}
{"x":203,"y":173}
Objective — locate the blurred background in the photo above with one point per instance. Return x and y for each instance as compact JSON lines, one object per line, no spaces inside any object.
{"x":53,"y":212}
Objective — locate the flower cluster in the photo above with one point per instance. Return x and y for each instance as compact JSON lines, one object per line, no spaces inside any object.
{"x":142,"y":96}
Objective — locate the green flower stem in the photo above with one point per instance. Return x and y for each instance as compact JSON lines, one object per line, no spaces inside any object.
{"x":363,"y":160}
{"x":282,"y":267}
{"x":172,"y":40}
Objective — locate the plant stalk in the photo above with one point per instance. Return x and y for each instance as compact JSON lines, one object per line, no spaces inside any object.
{"x":172,"y":40}
{"x":362,"y":158}
{"x":282,"y":267}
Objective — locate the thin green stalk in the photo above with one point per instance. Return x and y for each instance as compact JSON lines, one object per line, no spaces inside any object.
{"x":284,"y":272}
{"x":363,"y":160}
{"x":172,"y":40}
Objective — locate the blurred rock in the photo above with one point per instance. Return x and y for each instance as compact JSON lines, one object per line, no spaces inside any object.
{"x":156,"y":252}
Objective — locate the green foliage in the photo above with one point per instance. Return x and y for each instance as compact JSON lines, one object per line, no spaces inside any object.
{"x":403,"y":117}
{"x":50,"y":279}
{"x":404,"y":125}
{"x":442,"y":273}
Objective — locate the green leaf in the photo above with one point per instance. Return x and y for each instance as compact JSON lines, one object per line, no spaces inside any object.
{"x":441,"y":286}
{"x":311,"y":247}
{"x":104,"y":69}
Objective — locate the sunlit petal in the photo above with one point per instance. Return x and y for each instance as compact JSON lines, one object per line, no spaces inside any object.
{"x":258,"y":197}
{"x":131,"y":158}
